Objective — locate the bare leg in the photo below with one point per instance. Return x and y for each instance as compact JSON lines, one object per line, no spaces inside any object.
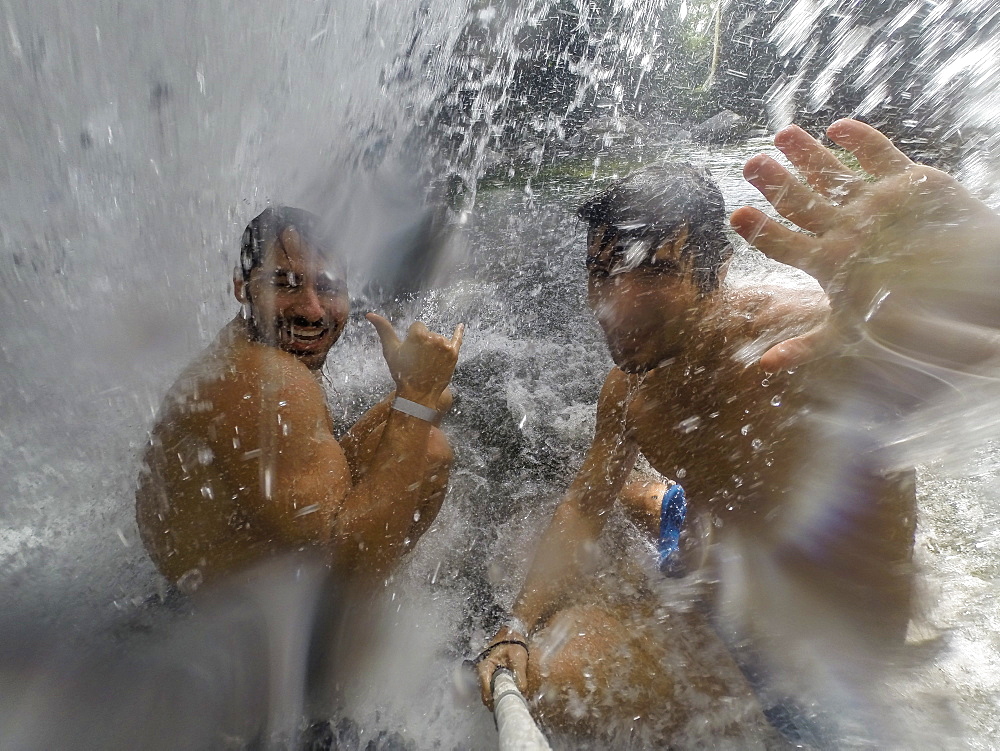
{"x":597,"y":670}
{"x":640,"y":500}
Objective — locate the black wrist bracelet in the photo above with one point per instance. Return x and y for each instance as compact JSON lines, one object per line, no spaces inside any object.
{"x":482,"y":655}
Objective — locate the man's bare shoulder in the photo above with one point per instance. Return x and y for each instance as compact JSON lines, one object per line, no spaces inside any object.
{"x":234,"y":378}
{"x":615,"y":390}
{"x":612,"y":404}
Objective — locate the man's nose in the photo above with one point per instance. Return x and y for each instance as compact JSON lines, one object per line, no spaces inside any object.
{"x":309,"y":305}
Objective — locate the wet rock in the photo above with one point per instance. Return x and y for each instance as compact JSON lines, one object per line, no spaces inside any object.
{"x":318,"y":737}
{"x":347,"y":735}
{"x":423,"y":253}
{"x":668,"y":132}
{"x":324,"y":735}
{"x":723,"y":128}
{"x":609,"y":131}
{"x":480,"y":399}
{"x":390,"y":741}
{"x":495,"y":164}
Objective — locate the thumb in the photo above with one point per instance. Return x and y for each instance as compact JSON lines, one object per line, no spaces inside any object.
{"x":798,"y":350}
{"x":386,"y":333}
{"x":521,"y":678}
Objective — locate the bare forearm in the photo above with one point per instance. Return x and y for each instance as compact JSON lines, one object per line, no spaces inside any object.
{"x":569,"y":540}
{"x":561,"y":553}
{"x":353,"y":442}
{"x":372,"y":524}
{"x":370,"y":424}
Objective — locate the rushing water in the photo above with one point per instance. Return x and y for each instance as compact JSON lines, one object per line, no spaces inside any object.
{"x":139,"y":140}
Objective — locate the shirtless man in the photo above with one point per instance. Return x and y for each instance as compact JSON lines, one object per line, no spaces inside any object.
{"x":688,"y":394}
{"x":243,"y":463}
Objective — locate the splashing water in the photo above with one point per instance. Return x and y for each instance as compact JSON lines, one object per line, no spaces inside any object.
{"x":139,"y":140}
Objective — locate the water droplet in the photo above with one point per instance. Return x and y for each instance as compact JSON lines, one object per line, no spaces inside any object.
{"x":776,"y":400}
{"x":205,"y":456}
{"x":190,"y":581}
{"x":756,"y":444}
{"x":745,"y":430}
{"x":689,"y":425}
{"x":206,"y":492}
{"x":416,"y":515}
{"x":681,"y":473}
{"x":765,"y":383}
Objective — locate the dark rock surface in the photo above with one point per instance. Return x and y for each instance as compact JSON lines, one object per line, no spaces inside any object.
{"x":724,"y":128}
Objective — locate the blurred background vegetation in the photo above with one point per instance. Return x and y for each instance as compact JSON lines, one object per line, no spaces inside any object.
{"x":531,"y":78}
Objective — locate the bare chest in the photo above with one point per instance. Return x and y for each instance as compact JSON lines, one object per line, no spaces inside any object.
{"x":714,"y":431}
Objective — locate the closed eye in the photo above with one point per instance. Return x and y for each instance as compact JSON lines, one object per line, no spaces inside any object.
{"x":286,"y":279}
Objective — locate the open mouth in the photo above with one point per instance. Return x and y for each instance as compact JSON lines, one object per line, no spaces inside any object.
{"x":305,"y":337}
{"x":309,"y":333}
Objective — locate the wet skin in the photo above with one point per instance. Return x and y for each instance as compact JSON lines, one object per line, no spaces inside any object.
{"x":298,"y":301}
{"x":693,"y":394}
{"x":243,"y":462}
{"x":686,"y":406}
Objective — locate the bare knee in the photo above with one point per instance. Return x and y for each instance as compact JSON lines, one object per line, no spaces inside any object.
{"x":585,"y":670}
{"x":574,"y":643}
{"x":640,"y":500}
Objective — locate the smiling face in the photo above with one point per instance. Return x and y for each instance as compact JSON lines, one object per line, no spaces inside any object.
{"x":297,"y":299}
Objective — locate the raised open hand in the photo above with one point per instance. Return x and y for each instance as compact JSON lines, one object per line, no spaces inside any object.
{"x":421,"y":364}
{"x":909,"y":256}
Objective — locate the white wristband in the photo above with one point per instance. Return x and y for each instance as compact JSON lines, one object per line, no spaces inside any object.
{"x":413,"y":409}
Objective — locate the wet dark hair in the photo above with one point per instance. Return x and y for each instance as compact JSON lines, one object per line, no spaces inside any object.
{"x":270,"y":223}
{"x":652,"y":205}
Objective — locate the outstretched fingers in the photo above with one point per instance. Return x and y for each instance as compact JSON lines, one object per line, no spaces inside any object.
{"x":875,"y":153}
{"x":781,"y":243}
{"x":792,"y":199}
{"x":823,"y":171}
